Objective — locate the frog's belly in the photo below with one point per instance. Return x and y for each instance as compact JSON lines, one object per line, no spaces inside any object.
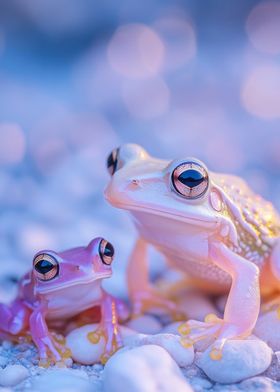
{"x":71,"y":301}
{"x":201,"y":270}
{"x":185,"y":247}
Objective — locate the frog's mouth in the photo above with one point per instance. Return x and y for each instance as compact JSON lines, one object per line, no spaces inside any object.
{"x":190,"y":219}
{"x":60,"y":286}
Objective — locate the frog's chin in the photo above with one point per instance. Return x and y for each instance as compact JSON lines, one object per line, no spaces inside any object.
{"x":194,"y":220}
{"x":78,"y":282}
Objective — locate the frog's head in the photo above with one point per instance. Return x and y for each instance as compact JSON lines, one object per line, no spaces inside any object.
{"x":179,"y":189}
{"x":84,"y":265}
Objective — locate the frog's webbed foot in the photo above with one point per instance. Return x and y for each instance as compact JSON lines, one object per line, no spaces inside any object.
{"x":52,"y":350}
{"x":113,"y":340}
{"x":212,"y":328}
{"x":151,"y":299}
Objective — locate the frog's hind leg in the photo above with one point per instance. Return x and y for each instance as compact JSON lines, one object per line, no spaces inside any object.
{"x":274,"y":280}
{"x":13,"y":318}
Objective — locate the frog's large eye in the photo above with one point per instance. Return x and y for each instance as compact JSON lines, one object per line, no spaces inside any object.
{"x":190,"y":180}
{"x":106,"y":252}
{"x":45,"y":266}
{"x":112,"y":161}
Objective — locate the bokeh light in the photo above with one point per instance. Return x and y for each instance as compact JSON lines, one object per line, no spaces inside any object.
{"x":146,"y":99}
{"x":261,"y":92}
{"x":136,"y":51}
{"x":263,"y":27}
{"x":179,"y":39}
{"x":12,"y":143}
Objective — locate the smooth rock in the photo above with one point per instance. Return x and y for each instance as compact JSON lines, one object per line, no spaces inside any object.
{"x":171,"y":343}
{"x":171,"y":328}
{"x":196,"y":306}
{"x":62,"y":380}
{"x":143,"y":369}
{"x":267,"y":329}
{"x":85,"y":352}
{"x":145,"y":324}
{"x":241,"y":359}
{"x":13,"y":375}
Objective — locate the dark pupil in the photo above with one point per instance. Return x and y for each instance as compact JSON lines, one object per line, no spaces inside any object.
{"x":191,"y":178}
{"x":109,"y":250}
{"x":44,"y":266}
{"x":112,"y":161}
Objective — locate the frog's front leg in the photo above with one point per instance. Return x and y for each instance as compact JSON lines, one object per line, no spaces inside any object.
{"x":242,"y":307}
{"x":143,"y":296}
{"x":47,"y":346}
{"x":14,"y":317}
{"x":108,"y":327}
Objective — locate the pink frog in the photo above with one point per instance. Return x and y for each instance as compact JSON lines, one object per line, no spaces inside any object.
{"x":59,"y":287}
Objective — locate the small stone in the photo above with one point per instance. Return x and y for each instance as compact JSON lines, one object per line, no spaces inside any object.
{"x":241,"y":359}
{"x":3,"y":361}
{"x":171,"y":343}
{"x":13,"y":375}
{"x":58,"y":380}
{"x":196,"y":306}
{"x":147,"y":369}
{"x":82,"y":349}
{"x":145,"y":324}
{"x":267,"y":329}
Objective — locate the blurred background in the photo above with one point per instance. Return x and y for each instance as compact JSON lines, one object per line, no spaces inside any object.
{"x":77,"y":78}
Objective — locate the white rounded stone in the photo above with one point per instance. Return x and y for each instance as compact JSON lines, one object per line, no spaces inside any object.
{"x":196,"y":306}
{"x":171,"y":343}
{"x":82,"y":349}
{"x":143,"y":369}
{"x":13,"y":375}
{"x":241,"y":359}
{"x":267,"y":329}
{"x":145,"y":324}
{"x":62,"y":380}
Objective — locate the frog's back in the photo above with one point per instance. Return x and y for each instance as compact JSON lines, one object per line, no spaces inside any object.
{"x":257,"y":212}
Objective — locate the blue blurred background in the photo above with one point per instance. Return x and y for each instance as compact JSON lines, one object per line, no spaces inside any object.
{"x":78,"y":78}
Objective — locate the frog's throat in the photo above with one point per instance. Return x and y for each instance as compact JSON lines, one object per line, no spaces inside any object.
{"x":212,"y":222}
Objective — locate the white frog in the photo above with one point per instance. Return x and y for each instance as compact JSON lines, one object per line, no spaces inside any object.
{"x":211,"y":226}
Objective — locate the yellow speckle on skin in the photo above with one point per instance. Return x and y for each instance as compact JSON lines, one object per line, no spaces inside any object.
{"x":216,"y":354}
{"x":211,"y":318}
{"x":94,"y":337}
{"x":278,"y":312}
{"x":184,"y":329}
{"x":187,"y":343}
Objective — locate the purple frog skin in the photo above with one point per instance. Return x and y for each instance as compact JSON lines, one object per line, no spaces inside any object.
{"x":59,"y":287}
{"x":209,"y":225}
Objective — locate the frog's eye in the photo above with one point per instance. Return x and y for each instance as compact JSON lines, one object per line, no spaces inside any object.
{"x":106,"y":252}
{"x":112,"y":161}
{"x":45,"y":266}
{"x":190,"y":180}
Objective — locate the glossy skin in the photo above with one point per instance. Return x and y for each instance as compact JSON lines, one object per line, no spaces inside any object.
{"x":75,"y":288}
{"x":226,"y":240}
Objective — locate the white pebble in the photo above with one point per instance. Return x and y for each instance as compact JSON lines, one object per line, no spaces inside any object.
{"x":145,"y":324}
{"x":267,"y":329}
{"x":171,"y":343}
{"x":241,"y":359}
{"x":196,"y":306}
{"x":82,"y":349}
{"x":13,"y":375}
{"x":62,"y":380}
{"x":3,"y":361}
{"x":143,"y":369}
{"x":172,"y":328}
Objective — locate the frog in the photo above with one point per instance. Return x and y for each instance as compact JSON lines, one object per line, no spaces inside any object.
{"x":210,"y":226}
{"x":60,"y":286}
